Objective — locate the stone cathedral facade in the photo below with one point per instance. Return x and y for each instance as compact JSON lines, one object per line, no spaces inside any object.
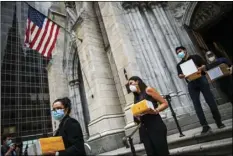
{"x":104,"y":43}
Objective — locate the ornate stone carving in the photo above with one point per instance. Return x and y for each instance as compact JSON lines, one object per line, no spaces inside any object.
{"x":152,"y":4}
{"x":126,"y":5}
{"x":207,"y":12}
{"x":70,"y":4}
{"x":74,"y":82}
{"x":135,"y":4}
{"x":180,"y":9}
{"x":143,"y":5}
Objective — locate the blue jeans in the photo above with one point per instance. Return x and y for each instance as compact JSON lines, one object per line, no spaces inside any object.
{"x":202,"y":85}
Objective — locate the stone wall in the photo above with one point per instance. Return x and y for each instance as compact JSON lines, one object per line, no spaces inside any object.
{"x":58,"y":85}
{"x":106,"y":117}
{"x":122,"y":54}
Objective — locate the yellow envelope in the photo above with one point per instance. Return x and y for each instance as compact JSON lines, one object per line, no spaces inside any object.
{"x":141,"y":107}
{"x":51,"y":144}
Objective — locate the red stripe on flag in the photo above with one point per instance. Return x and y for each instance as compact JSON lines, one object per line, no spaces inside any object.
{"x":33,"y":28}
{"x":48,"y":40}
{"x":54,"y":42}
{"x":35,"y":38}
{"x":43,"y":36}
{"x":27,"y":32}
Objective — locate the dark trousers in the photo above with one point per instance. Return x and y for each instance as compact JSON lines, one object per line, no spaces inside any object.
{"x":153,"y":133}
{"x":225,"y":84}
{"x":202,"y":85}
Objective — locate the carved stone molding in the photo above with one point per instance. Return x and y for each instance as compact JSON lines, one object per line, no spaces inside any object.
{"x":126,"y":5}
{"x":152,"y":4}
{"x":135,"y":4}
{"x":70,"y":4}
{"x":74,"y":82}
{"x":143,"y":5}
{"x":179,"y":10}
{"x":208,"y":11}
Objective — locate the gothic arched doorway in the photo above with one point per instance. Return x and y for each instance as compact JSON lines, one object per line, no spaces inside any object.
{"x":211,"y":23}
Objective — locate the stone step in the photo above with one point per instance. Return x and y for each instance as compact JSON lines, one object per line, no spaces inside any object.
{"x":192,"y":138}
{"x":188,"y":122}
{"x":217,"y":147}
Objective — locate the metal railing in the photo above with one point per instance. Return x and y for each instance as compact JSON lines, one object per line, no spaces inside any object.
{"x":168,"y":98}
{"x":128,"y":141}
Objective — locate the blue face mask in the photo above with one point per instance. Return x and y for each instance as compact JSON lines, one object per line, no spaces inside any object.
{"x":8,"y":142}
{"x":181,"y":54}
{"x":58,"y":114}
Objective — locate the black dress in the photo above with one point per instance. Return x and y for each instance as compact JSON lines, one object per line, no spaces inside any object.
{"x":72,"y":135}
{"x":153,"y":131}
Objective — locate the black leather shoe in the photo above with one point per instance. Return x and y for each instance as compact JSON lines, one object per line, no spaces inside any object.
{"x":221,"y":125}
{"x":205,"y":129}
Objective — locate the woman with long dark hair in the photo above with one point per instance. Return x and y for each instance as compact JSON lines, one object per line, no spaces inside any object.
{"x":153,"y":131}
{"x":69,"y":129}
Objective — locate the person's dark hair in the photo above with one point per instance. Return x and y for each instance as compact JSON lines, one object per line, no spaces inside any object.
{"x":66,"y":103}
{"x":180,"y":47}
{"x":142,"y":86}
{"x":4,"y":137}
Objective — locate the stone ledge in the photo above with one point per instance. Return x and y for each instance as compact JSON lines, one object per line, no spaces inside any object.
{"x":105,"y":117}
{"x":203,"y":147}
{"x":198,"y":138}
{"x":106,"y":133}
{"x":106,"y":143}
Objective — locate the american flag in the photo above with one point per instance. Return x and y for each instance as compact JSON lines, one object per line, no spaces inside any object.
{"x":41,"y":33}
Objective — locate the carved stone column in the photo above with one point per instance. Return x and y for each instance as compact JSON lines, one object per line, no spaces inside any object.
{"x":159,"y":63}
{"x":77,"y":108}
{"x":148,"y":52}
{"x":106,"y":115}
{"x":171,"y":61}
{"x":139,"y":36}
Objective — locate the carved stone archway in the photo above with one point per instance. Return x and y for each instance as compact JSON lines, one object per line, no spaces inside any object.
{"x":197,"y":18}
{"x":200,"y":14}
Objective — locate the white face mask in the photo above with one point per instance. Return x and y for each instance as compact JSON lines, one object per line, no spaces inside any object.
{"x":133,"y":88}
{"x":211,"y":59}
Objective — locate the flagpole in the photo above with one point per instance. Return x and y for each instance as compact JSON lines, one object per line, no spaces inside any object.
{"x":50,"y":19}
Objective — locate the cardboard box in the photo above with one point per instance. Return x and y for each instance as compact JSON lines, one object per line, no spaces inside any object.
{"x":193,"y":76}
{"x":218,"y":72}
{"x":190,"y":70}
{"x":141,"y":107}
{"x":44,"y":145}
